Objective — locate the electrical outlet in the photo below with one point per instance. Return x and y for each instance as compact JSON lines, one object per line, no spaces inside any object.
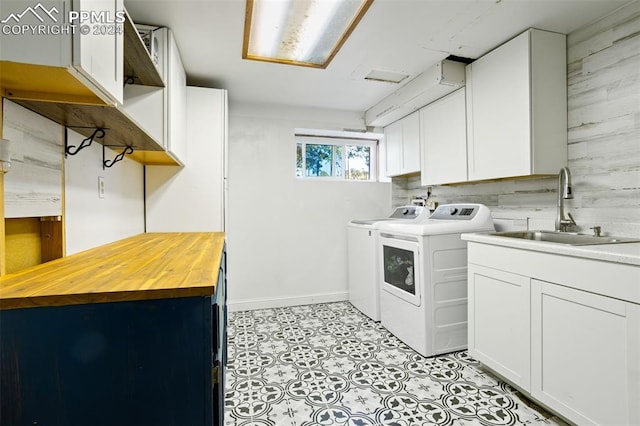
{"x":100,"y":186}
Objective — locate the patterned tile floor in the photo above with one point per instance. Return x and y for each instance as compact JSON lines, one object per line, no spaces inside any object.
{"x":328,"y":364}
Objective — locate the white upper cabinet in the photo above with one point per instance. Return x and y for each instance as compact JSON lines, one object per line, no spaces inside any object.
{"x":98,"y":54}
{"x":443,"y":140}
{"x":517,"y":108}
{"x":393,"y":143}
{"x":176,"y":101}
{"x":82,"y":52}
{"x":402,"y":140}
{"x":411,"y":143}
{"x":161,"y":111}
{"x":75,"y":75}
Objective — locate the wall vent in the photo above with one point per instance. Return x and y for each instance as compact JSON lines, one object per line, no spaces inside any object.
{"x":386,"y":76}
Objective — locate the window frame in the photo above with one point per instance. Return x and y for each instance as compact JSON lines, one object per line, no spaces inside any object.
{"x":343,"y":141}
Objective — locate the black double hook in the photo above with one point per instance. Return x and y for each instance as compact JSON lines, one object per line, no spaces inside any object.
{"x":73,"y":150}
{"x":119,"y":157}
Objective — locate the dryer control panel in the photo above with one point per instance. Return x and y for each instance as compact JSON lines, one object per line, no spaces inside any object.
{"x":456,"y":212}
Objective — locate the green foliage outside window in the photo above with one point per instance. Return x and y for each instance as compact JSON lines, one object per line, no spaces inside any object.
{"x":335,"y":159}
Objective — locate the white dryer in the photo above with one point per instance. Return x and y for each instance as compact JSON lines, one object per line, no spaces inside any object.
{"x":362,"y":258}
{"x":423,"y":277}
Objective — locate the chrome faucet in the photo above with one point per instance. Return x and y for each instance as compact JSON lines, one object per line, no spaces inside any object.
{"x":564,"y":193}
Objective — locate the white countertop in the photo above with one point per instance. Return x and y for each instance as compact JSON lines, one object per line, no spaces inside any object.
{"x":628,"y":253}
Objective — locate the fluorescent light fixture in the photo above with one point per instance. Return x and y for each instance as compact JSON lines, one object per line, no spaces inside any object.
{"x":299,"y":32}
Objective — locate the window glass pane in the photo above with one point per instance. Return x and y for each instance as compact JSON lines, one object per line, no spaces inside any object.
{"x":299,"y":159}
{"x":358,"y":162}
{"x":337,"y":158}
{"x":319,"y":160}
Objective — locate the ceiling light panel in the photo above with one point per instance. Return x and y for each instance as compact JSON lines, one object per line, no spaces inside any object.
{"x":299,"y":32}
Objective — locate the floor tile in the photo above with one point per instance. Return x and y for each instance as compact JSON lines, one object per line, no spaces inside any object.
{"x":328,"y":364}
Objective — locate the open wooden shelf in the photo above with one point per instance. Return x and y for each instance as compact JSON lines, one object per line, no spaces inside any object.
{"x":120,"y":129}
{"x":137,"y":61}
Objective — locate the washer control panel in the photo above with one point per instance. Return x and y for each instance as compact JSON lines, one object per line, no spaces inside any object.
{"x":407,"y":212}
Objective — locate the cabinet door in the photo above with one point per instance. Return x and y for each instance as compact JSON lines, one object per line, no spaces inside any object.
{"x":411,"y":143}
{"x":32,"y":47}
{"x":393,"y":144}
{"x":176,"y":102}
{"x":402,"y":140}
{"x":499,"y":112}
{"x":219,"y":314}
{"x":99,"y":54}
{"x":443,"y":140}
{"x":142,"y":363}
{"x":499,"y":322}
{"x":585,"y":355}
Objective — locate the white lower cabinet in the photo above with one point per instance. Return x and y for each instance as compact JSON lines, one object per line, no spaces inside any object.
{"x":499,"y":322}
{"x":564,"y":330}
{"x":585,"y":353}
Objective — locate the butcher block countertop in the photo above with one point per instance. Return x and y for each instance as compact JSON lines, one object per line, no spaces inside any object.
{"x":146,"y":266}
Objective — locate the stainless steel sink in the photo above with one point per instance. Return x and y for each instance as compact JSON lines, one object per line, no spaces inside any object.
{"x":564,"y":238}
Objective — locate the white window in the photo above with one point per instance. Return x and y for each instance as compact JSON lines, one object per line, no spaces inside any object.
{"x":338,"y":158}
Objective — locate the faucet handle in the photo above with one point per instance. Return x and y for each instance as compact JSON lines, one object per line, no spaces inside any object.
{"x":565,"y":224}
{"x":597,"y":230}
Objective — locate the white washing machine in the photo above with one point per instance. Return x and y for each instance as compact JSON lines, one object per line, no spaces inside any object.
{"x":362,"y":258}
{"x":423,"y":277}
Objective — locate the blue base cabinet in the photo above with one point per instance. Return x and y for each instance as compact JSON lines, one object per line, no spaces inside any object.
{"x":144,"y":362}
{"x":219,"y":315}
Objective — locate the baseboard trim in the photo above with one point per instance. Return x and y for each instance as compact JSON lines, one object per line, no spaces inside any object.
{"x":281,"y":302}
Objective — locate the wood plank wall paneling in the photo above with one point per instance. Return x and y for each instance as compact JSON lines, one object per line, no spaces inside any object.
{"x":3,"y":250}
{"x":33,"y":186}
{"x":603,"y":134}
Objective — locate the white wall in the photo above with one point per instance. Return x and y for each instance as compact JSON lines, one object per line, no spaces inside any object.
{"x":286,"y":236}
{"x":603,"y":140}
{"x":91,"y":221}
